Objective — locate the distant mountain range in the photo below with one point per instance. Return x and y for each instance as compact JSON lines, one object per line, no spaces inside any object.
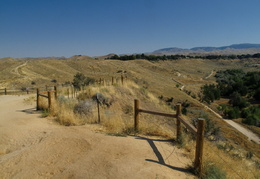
{"x":235,"y":48}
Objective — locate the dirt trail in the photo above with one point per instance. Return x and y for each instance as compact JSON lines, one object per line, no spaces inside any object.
{"x":250,"y":135}
{"x":17,"y":70}
{"x":35,"y":147}
{"x":212,"y":73}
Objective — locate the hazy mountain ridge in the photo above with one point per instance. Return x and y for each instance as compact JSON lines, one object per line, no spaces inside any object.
{"x":235,"y":48}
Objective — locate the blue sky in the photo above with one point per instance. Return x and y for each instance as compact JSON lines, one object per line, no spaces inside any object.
{"x":41,"y":28}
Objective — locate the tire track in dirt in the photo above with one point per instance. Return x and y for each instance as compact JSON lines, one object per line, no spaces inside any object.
{"x":18,"y":72}
{"x":28,"y":75}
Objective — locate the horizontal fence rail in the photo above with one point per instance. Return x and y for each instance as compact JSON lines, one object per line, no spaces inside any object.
{"x":6,"y":91}
{"x":157,"y":113}
{"x":48,"y":96}
{"x":184,"y":121}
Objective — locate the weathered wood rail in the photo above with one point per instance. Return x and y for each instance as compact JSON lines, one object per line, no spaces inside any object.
{"x":48,"y":96}
{"x":6,"y":91}
{"x":199,"y":132}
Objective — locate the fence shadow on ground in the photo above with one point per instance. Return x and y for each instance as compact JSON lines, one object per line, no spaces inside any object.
{"x":29,"y":111}
{"x":159,"y":155}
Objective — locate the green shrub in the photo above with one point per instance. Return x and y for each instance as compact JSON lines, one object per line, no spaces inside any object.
{"x":210,"y":128}
{"x":232,"y":112}
{"x":249,"y":155}
{"x":237,"y":100}
{"x":212,"y":171}
{"x":251,"y":115}
{"x":45,"y":113}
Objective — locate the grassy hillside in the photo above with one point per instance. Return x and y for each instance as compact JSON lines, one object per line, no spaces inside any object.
{"x":164,"y":79}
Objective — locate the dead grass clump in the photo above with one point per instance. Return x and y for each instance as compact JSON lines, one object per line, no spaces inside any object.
{"x":62,"y":110}
{"x":116,"y":125}
{"x":157,"y":126}
{"x":86,"y":94}
{"x":43,"y":103}
{"x":67,"y":117}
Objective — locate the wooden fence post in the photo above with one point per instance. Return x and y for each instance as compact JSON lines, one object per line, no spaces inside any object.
{"x":55,"y":93}
{"x":71,"y":89}
{"x":49,"y":100}
{"x":37,"y":100}
{"x":112,"y":80}
{"x":98,"y":111}
{"x":68,"y":93}
{"x":199,"y":146}
{"x":178,"y":113}
{"x":136,"y":119}
{"x":5,"y":91}
{"x":122,"y":79}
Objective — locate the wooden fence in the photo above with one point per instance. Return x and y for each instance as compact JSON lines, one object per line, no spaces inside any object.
{"x":48,"y":96}
{"x":199,"y":132}
{"x":113,"y":80}
{"x":6,"y":91}
{"x":24,"y":90}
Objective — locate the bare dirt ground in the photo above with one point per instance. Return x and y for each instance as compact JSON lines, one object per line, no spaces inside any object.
{"x":35,"y":147}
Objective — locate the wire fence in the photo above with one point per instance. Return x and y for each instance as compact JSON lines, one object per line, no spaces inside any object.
{"x":229,"y":163}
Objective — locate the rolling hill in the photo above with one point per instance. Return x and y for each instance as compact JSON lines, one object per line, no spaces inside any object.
{"x":244,"y":48}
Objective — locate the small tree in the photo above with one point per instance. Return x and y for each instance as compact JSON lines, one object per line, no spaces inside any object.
{"x":237,"y":100}
{"x":81,"y":80}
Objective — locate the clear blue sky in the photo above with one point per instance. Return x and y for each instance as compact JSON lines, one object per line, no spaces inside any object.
{"x":41,"y":28}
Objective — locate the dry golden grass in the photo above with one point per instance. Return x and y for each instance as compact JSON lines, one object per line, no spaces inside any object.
{"x":234,"y":166}
{"x":43,"y":103}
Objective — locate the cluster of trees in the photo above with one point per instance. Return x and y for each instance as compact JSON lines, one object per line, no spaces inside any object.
{"x":242,"y":89}
{"x":243,"y":56}
{"x":175,"y":57}
{"x":147,"y":57}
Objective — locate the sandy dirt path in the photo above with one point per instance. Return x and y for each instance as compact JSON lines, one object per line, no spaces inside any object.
{"x":35,"y":147}
{"x":212,"y":73}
